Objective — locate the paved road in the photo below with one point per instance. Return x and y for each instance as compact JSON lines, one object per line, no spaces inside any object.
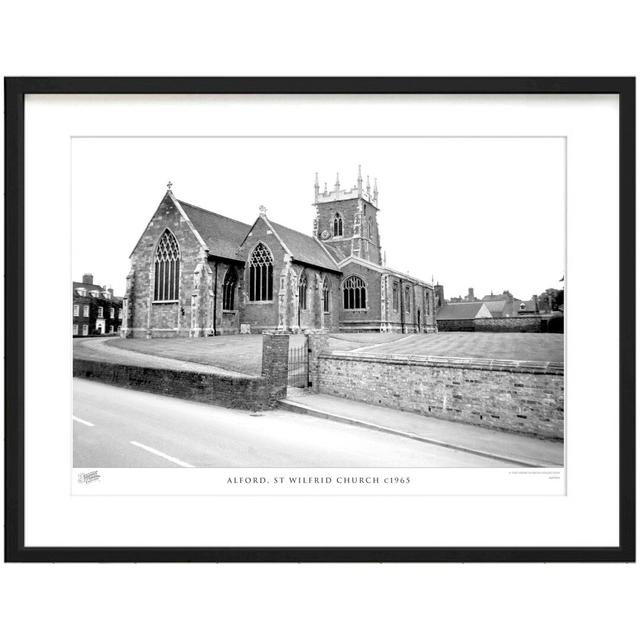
{"x":115,"y":427}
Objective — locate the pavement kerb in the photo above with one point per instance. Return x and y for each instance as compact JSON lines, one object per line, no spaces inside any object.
{"x":297,"y":407}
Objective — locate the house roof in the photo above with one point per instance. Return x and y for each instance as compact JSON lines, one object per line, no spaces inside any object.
{"x":529,"y":306}
{"x":88,"y":287}
{"x":497,"y":308}
{"x":460,"y":310}
{"x":304,"y":248}
{"x":222,"y":235}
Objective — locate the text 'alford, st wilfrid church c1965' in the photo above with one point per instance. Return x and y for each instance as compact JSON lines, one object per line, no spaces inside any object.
{"x":198,"y":273}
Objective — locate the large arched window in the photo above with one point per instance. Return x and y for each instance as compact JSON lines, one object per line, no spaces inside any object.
{"x":302,"y":292}
{"x":325,"y":295}
{"x":354,"y":293}
{"x":229,"y":290}
{"x":167,"y":268}
{"x":260,"y":274}
{"x":337,"y":225}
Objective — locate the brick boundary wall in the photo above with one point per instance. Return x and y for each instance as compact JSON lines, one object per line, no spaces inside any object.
{"x":235,"y":392}
{"x":520,"y":397}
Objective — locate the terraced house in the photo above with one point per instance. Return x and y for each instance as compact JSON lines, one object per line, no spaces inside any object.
{"x":198,"y":273}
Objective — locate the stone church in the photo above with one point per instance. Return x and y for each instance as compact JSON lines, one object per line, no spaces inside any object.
{"x":198,"y":273}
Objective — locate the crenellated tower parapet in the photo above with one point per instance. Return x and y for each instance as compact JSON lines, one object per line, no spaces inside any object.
{"x":347,"y":218}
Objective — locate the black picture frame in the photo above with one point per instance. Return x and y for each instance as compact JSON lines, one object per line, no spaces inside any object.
{"x":15,"y":91}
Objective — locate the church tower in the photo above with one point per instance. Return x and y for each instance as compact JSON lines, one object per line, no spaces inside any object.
{"x":346,"y":220}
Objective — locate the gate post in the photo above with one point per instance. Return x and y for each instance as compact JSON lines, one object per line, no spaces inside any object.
{"x":318,"y":342}
{"x":275,"y":363}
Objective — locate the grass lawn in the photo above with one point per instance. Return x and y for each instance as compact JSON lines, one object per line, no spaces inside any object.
{"x":234,"y":353}
{"x":244,"y":353}
{"x":348,"y":341}
{"x":538,"y":347}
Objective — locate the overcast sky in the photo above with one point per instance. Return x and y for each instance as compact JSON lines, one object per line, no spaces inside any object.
{"x":487,"y":213}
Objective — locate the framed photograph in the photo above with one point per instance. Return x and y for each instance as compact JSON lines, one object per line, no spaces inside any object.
{"x":320,"y":319}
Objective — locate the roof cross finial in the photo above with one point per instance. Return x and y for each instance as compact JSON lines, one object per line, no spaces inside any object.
{"x":169,"y":185}
{"x":263,"y":211}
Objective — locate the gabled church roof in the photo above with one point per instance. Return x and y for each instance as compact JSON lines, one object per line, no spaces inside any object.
{"x":222,"y":235}
{"x":336,"y":252}
{"x":304,"y":248}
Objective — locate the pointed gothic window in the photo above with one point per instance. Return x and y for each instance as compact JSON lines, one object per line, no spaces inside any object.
{"x":337,"y":225}
{"x":354,"y":293}
{"x":229,"y":290}
{"x":407,"y":299}
{"x":167,"y":268}
{"x":260,"y":274}
{"x":325,"y":295}
{"x":395,"y":296}
{"x":302,"y":292}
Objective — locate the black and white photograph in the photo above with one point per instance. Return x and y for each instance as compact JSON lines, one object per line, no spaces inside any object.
{"x":350,"y":302}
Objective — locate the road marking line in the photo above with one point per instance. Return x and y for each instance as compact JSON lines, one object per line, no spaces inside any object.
{"x":89,"y":424}
{"x":162,"y":455}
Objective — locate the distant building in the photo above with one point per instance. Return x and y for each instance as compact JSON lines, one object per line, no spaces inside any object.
{"x":543,"y":313}
{"x":96,"y":311}
{"x":499,"y":308}
{"x":461,"y":316}
{"x":528,"y":307}
{"x":470,"y":297}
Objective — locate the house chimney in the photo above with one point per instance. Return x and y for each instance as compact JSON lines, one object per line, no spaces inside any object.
{"x":87,"y":278}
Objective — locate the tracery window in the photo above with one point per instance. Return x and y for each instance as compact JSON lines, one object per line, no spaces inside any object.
{"x":354,"y":293}
{"x":302,"y":292}
{"x":260,"y":274}
{"x":167,"y":268}
{"x":325,"y":295}
{"x":229,"y":290}
{"x":337,"y":225}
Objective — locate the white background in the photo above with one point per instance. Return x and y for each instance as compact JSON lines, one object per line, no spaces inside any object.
{"x":489,"y":38}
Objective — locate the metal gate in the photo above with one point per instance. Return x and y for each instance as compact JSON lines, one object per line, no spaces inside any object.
{"x":299,"y":365}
